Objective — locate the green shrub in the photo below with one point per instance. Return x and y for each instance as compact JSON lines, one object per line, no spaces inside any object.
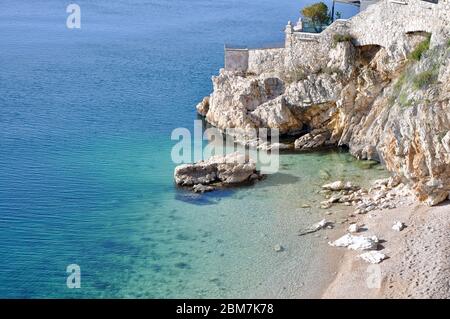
{"x":400,"y":82}
{"x":423,"y":47}
{"x":404,"y":101}
{"x":397,"y":88}
{"x":337,"y":38}
{"x":424,"y":79}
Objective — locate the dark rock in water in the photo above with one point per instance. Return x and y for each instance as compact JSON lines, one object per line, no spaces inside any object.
{"x":182,"y":265}
{"x":367,"y":164}
{"x":196,"y":199}
{"x":156,"y":267}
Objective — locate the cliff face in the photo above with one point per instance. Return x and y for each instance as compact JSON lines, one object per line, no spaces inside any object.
{"x":385,"y":101}
{"x":406,"y":125}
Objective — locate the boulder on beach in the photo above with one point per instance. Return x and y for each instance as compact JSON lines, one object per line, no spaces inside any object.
{"x":353,"y":228}
{"x":373,"y":257}
{"x":398,"y":226}
{"x":356,"y":242}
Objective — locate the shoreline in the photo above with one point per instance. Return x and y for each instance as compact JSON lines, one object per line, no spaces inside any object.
{"x":417,"y":256}
{"x":417,"y":264}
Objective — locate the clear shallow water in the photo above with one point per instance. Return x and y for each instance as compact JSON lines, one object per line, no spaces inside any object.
{"x":85,"y":169}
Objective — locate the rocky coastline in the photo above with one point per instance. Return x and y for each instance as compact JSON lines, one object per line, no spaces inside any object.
{"x":385,"y":97}
{"x":384,"y":100}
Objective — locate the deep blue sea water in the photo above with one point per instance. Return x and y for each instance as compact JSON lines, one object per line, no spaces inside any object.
{"x":85,"y":168}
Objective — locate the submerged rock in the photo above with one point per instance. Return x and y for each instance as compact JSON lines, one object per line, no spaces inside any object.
{"x":230,"y":169}
{"x":315,"y":227}
{"x":278,"y":248}
{"x":339,"y":186}
{"x":325,"y":204}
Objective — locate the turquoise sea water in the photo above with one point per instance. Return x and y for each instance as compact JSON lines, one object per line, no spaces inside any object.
{"x":85,"y":167}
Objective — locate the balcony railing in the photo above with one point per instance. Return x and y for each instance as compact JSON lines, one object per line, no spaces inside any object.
{"x":257,"y":46}
{"x":311,"y":28}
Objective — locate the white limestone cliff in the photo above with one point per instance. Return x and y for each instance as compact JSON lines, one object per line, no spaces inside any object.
{"x":355,"y":85}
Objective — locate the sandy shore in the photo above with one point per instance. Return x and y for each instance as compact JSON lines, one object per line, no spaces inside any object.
{"x":419,"y":257}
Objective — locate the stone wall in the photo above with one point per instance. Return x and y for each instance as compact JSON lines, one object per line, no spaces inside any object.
{"x":265,"y":60}
{"x":386,"y":23}
{"x":236,"y":60}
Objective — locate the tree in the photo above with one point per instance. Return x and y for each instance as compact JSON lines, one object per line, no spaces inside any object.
{"x":317,"y":15}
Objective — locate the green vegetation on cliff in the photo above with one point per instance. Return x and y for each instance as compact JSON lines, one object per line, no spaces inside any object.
{"x":421,"y":49}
